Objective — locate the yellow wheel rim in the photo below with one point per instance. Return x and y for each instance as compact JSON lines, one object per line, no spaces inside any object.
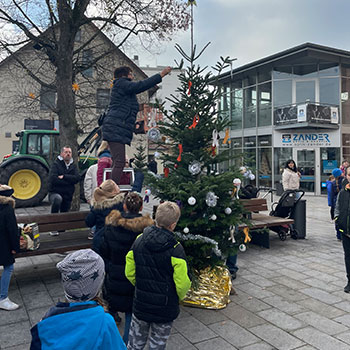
{"x":25,"y":183}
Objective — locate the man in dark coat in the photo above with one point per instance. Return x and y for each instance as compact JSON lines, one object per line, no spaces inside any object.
{"x":152,"y":165}
{"x":9,"y":244}
{"x":118,"y":125}
{"x":63,"y":176}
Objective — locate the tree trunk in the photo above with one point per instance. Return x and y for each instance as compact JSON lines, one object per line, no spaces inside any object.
{"x":68,"y":126}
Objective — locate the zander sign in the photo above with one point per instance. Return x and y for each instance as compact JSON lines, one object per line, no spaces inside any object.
{"x":307,"y":140}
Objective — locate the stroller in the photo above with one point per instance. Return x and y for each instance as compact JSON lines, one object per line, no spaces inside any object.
{"x":285,"y":209}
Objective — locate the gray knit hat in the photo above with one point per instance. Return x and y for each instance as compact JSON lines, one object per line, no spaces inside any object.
{"x":82,"y":274}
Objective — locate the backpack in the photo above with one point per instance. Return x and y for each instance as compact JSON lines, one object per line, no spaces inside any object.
{"x":248,"y":192}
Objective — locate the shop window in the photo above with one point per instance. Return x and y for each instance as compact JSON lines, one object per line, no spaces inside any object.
{"x":250,"y":104}
{"x":265,"y":167}
{"x":237,"y":108}
{"x":236,"y":142}
{"x":249,"y":142}
{"x":264,"y":110}
{"x":264,"y":141}
{"x":282,"y":93}
{"x":281,"y":156}
{"x":329,"y":91}
{"x":346,"y":140}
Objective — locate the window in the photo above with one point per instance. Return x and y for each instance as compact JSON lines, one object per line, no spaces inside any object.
{"x":47,"y":99}
{"x":264,"y":111}
{"x":265,"y":166}
{"x":283,"y":90}
{"x":345,"y":100}
{"x":34,"y":144}
{"x":329,"y":91}
{"x":281,"y":155}
{"x":102,"y":99}
{"x":237,"y":108}
{"x":7,"y":134}
{"x":283,"y":72}
{"x":249,"y":120}
{"x":87,"y":59}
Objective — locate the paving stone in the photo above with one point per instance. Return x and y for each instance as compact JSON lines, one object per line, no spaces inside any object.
{"x":290,"y":282}
{"x":255,"y":291}
{"x":276,"y":337}
{"x":234,"y":334}
{"x":241,"y":316}
{"x":258,"y":280}
{"x":215,"y":343}
{"x":344,"y":337}
{"x":259,"y":346}
{"x":307,"y":347}
{"x":298,"y":276}
{"x":320,"y":340}
{"x":281,"y":319}
{"x":320,"y":275}
{"x":284,"y":305}
{"x":314,"y":282}
{"x":321,"y":308}
{"x":32,"y":287}
{"x":344,"y":305}
{"x":208,"y":316}
{"x":37,"y":300}
{"x":35,"y":315}
{"x":193,"y":330}
{"x":15,"y":334}
{"x":14,"y":316}
{"x":321,"y":323}
{"x":177,"y":342}
{"x":287,"y":293}
{"x":345,"y":320}
{"x":19,"y":347}
{"x":321,"y":295}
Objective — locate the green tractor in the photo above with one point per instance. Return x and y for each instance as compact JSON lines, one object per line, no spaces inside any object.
{"x":27,"y":170}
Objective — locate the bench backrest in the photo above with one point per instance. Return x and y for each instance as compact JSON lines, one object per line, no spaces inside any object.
{"x":254,"y":204}
{"x":56,"y":222}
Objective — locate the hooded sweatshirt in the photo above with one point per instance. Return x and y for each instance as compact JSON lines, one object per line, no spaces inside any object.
{"x":78,"y":326}
{"x":156,"y":265}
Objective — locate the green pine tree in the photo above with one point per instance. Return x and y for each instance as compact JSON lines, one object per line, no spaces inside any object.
{"x":202,"y":229}
{"x":140,"y":161}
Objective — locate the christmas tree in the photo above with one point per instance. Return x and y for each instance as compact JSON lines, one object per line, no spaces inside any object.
{"x":139,"y":161}
{"x":190,"y":131}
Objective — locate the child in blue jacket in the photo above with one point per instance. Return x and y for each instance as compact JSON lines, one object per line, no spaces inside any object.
{"x":329,"y":195}
{"x":81,"y":323}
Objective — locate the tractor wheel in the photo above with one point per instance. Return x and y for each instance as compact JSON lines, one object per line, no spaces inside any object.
{"x":29,"y":180}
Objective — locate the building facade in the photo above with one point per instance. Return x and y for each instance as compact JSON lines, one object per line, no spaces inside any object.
{"x":291,"y":105}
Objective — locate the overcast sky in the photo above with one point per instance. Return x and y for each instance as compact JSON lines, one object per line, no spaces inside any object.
{"x":252,"y":29}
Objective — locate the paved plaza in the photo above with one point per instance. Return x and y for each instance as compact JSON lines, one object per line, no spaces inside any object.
{"x":288,"y":297}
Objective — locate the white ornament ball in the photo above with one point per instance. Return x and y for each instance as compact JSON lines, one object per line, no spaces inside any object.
{"x":156,"y":154}
{"x":228,"y":211}
{"x":237,"y":182}
{"x":242,"y":248}
{"x":148,"y":192}
{"x":191,"y":200}
{"x":186,"y":230}
{"x":213,"y":217}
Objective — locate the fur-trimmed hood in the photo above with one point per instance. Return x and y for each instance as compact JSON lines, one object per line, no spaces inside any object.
{"x":136,"y":224}
{"x":109,"y":202}
{"x":7,"y":200}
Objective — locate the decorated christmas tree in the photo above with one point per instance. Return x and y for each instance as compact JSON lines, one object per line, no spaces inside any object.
{"x":190,"y":131}
{"x":140,"y":158}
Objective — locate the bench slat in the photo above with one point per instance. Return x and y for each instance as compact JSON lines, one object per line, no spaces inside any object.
{"x":263,"y":220}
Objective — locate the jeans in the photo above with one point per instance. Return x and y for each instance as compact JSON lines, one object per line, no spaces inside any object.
{"x":118,"y":157}
{"x":127,"y":327}
{"x":231,"y":263}
{"x":58,"y":203}
{"x":5,"y":281}
{"x":139,"y":177}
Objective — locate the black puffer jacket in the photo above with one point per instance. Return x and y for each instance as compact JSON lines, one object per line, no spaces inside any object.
{"x":120,"y":233}
{"x":118,"y":125}
{"x":65,"y":186}
{"x":9,"y":238}
{"x":342,"y":211}
{"x":157,"y":265}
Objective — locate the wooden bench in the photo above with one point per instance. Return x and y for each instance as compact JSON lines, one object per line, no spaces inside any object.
{"x":260,"y":221}
{"x":74,"y":236}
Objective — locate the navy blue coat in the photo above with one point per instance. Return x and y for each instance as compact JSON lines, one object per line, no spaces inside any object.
{"x":119,"y":123}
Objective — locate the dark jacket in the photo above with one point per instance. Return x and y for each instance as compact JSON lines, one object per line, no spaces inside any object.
{"x":120,"y":233}
{"x":152,"y":166}
{"x":9,"y":238}
{"x":78,"y":326}
{"x":98,"y":214}
{"x":335,"y":189}
{"x":156,"y":265}
{"x":342,"y":211}
{"x":64,"y":187}
{"x":119,"y":123}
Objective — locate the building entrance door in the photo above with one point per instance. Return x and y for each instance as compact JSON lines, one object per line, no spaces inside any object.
{"x":308,"y":164}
